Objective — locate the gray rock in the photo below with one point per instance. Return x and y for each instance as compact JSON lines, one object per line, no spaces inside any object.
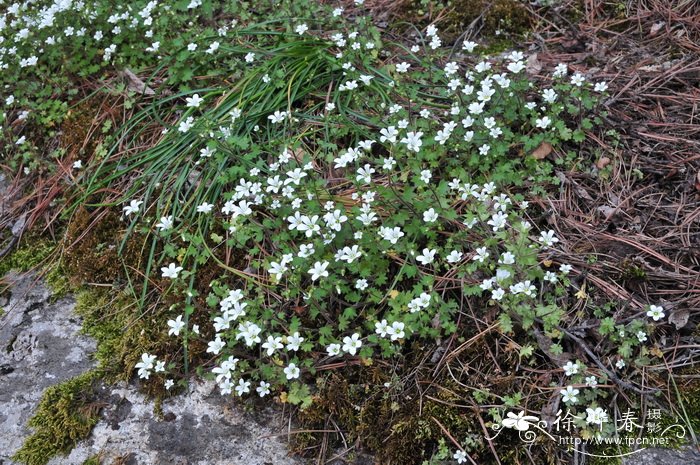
{"x":41,"y":345}
{"x":654,"y":456}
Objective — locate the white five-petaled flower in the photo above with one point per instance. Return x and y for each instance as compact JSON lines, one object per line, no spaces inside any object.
{"x":263,"y":389}
{"x":301,"y":29}
{"x":171,"y":271}
{"x":656,"y":312}
{"x":402,"y":67}
{"x":272,"y":344}
{"x":294,"y":341}
{"x":333,"y":350}
{"x":319,"y":270}
{"x":454,"y":256}
{"x":166,"y":222}
{"x":145,"y":365}
{"x":216,"y":345}
{"x":176,"y":326}
{"x":460,"y":456}
{"x":413,"y":141}
{"x":351,"y":344}
{"x":570,"y":368}
{"x":427,"y":257}
{"x":569,"y":395}
{"x":430,"y":216}
{"x":133,"y":207}
{"x":277,"y":116}
{"x":194,"y":101}
{"x":292,"y":371}
{"x":548,"y":238}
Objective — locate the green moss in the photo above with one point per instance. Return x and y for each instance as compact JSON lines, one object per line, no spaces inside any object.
{"x":66,"y":414}
{"x":32,"y":253}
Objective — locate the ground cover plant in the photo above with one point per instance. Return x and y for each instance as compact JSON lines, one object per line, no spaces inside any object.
{"x":323,"y":215}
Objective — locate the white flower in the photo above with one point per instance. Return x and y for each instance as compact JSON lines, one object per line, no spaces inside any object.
{"x":272,"y":344}
{"x":498,"y":221}
{"x":469,"y":46}
{"x":454,"y":256}
{"x":413,"y":141}
{"x":277,"y":116}
{"x":176,"y":326}
{"x":551,"y":277}
{"x":565,"y":268}
{"x":656,"y":312}
{"x":402,"y":67}
{"x":481,"y":254}
{"x":166,"y":222}
{"x":292,"y":371}
{"x":569,"y":395}
{"x":351,"y":344}
{"x":460,"y":456}
{"x":591,"y":381}
{"x":216,"y":345}
{"x":361,"y":284}
{"x":543,"y":122}
{"x":186,"y":125}
{"x":427,"y":257}
{"x":548,"y":238}
{"x":577,"y":79}
{"x":381,"y":328}
{"x":243,"y":387}
{"x":388,"y":134}
{"x":301,"y":29}
{"x":549,"y":95}
{"x":194,"y":101}
{"x":294,"y":341}
{"x":205,"y":208}
{"x":620,"y":364}
{"x":263,"y":389}
{"x":642,"y":336}
{"x":250,"y":57}
{"x":430,"y":216}
{"x":145,"y":365}
{"x":133,"y":207}
{"x":171,"y":271}
{"x":425,"y":176}
{"x":516,"y":67}
{"x":560,"y":70}
{"x":396,"y":331}
{"x":319,"y":270}
{"x":277,"y":270}
{"x":333,"y":350}
{"x":391,"y":234}
{"x":497,"y":294}
{"x":570,"y":368}
{"x":507,"y":258}
{"x":168,"y":384}
{"x":600,"y":86}
{"x":77,"y":164}
{"x":364,"y":174}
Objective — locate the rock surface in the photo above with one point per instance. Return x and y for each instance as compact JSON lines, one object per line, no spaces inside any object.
{"x":41,"y":345}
